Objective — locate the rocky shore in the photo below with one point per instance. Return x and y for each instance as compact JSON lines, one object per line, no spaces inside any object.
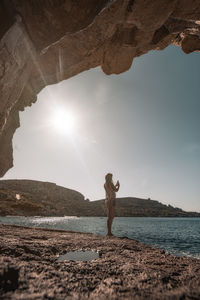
{"x":126,"y":269}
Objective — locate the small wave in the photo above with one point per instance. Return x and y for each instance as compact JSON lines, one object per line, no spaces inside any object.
{"x":183,"y":253}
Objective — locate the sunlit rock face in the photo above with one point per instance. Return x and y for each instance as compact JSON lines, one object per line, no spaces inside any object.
{"x":46,"y":41}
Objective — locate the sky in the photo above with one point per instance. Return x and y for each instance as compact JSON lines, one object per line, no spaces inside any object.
{"x":143,"y":126}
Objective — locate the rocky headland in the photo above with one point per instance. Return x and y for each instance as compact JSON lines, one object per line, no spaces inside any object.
{"x":125,"y":269}
{"x":29,"y":198}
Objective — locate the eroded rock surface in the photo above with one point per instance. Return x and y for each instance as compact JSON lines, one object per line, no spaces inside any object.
{"x":126,"y":269}
{"x":46,"y":41}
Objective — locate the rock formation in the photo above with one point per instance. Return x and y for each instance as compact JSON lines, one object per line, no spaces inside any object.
{"x":126,"y":269}
{"x":45,"y":41}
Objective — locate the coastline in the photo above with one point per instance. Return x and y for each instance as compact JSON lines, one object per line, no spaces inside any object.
{"x":89,"y":216}
{"x":126,"y":269}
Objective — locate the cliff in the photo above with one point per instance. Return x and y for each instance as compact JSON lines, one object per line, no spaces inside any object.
{"x":28,"y":197}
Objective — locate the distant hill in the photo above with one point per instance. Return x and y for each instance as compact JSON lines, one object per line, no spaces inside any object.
{"x":137,"y":207}
{"x":29,"y":198}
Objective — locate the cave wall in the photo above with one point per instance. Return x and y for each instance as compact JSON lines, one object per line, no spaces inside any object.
{"x":46,"y":41}
{"x":16,"y":59}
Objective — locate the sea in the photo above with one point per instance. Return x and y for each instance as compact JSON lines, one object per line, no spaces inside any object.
{"x":179,"y":236}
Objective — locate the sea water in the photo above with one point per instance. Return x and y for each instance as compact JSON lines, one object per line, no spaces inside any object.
{"x":79,"y":255}
{"x":179,"y":236}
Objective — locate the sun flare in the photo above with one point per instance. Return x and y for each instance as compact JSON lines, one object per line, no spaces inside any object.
{"x":64,"y":121}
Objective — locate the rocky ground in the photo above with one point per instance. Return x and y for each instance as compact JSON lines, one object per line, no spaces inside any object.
{"x":126,"y":268}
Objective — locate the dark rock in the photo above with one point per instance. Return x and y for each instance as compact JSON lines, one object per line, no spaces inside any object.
{"x":9,"y":278}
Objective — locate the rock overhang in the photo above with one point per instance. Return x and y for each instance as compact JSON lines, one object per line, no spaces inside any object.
{"x":46,"y":41}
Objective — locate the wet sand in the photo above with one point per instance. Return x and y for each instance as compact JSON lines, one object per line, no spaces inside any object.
{"x":126,"y":269}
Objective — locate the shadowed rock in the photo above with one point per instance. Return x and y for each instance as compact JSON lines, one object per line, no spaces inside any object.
{"x":9,"y":277}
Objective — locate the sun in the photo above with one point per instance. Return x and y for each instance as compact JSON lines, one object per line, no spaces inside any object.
{"x":64,"y":121}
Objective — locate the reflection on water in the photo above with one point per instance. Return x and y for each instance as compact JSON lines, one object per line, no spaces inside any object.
{"x":179,"y":236}
{"x":79,"y":256}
